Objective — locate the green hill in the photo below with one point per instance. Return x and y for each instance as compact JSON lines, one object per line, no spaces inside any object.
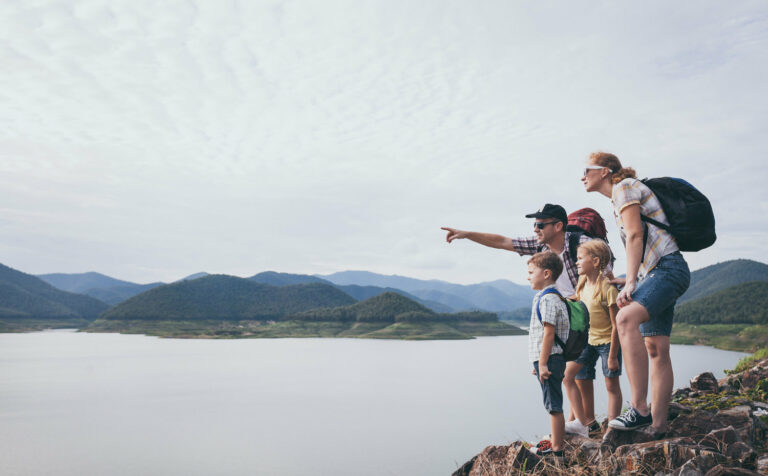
{"x":27,"y":302}
{"x":382,"y":308}
{"x":221,"y":297}
{"x":719,"y":276}
{"x":745,"y":303}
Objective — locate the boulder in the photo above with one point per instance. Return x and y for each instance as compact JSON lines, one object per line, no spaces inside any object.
{"x":615,"y":438}
{"x":654,"y":456}
{"x":750,"y":378}
{"x":700,"y":422}
{"x":720,"y":439}
{"x":705,"y":383}
{"x":762,"y":464}
{"x":721,"y":470}
{"x":499,"y":460}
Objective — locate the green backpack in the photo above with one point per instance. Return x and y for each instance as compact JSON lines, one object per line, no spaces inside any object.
{"x":578,"y":318}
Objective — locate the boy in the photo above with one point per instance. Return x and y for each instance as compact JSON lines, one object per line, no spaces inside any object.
{"x":546,"y":356}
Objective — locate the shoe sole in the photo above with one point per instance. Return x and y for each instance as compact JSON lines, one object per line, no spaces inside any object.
{"x":633,"y":428}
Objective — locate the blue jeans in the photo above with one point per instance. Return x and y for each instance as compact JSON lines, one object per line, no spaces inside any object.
{"x":552,"y":388}
{"x":658,"y":293}
{"x":588,"y":359}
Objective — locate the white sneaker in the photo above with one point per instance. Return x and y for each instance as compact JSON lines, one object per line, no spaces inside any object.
{"x":574,"y":427}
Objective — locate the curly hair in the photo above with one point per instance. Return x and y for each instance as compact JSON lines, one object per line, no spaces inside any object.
{"x":612,"y":162}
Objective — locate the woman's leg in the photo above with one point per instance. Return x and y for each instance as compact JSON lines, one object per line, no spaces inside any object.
{"x":614,"y":396}
{"x":633,"y":349}
{"x":662,"y":379}
{"x":574,"y":396}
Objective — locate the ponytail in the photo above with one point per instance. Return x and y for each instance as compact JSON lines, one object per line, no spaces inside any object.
{"x":612,"y":162}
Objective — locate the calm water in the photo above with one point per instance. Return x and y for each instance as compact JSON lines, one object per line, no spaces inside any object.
{"x":109,"y":404}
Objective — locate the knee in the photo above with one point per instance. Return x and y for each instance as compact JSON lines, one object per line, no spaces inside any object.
{"x":624,"y":321}
{"x":656,"y":350}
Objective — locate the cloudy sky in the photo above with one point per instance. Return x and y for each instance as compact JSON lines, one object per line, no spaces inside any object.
{"x":150,"y":140}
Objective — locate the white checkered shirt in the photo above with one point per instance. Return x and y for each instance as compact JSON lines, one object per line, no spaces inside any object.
{"x":553,"y":311}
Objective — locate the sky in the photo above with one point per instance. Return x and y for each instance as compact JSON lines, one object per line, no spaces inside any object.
{"x":151,"y":140}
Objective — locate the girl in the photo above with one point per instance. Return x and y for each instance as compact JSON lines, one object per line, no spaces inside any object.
{"x":657,"y":275}
{"x":599,"y":295}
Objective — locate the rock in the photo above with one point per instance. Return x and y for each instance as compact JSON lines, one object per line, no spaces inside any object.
{"x":751,"y":377}
{"x":677,"y":409}
{"x":689,"y":468}
{"x":681,"y":393}
{"x":657,"y":455}
{"x":499,"y":460}
{"x":700,"y":422}
{"x":721,"y":470}
{"x":699,"y":465}
{"x":743,"y":454}
{"x":705,"y":383}
{"x":615,"y":438}
{"x":578,"y":448}
{"x":762,"y":464}
{"x":762,"y":405}
{"x":720,"y":439}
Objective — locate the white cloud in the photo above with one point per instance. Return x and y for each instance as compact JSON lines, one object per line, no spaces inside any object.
{"x":235,"y":137}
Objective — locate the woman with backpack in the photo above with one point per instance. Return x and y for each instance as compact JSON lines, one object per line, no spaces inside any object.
{"x":657,"y":275}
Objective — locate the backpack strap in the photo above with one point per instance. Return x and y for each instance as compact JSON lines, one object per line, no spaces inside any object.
{"x":573,"y":244}
{"x":558,"y":340}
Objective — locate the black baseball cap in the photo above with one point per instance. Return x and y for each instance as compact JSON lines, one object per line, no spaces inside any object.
{"x":550,"y":211}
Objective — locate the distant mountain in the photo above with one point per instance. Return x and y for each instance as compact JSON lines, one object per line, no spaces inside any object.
{"x":719,"y":276}
{"x":104,"y":288}
{"x":201,"y":274}
{"x":745,"y":303}
{"x":389,"y":307}
{"x":25,"y":296}
{"x":221,"y":297}
{"x":499,"y":295}
{"x":284,"y":279}
{"x":358,"y":292}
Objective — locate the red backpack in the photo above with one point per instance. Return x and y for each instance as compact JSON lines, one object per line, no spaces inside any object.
{"x":588,"y":222}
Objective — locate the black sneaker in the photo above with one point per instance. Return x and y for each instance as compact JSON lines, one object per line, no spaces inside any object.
{"x":549,"y":453}
{"x":630,"y":420}
{"x":594,"y":429}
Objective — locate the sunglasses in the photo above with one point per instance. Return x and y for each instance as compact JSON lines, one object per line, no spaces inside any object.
{"x":540,"y":225}
{"x":592,"y":167}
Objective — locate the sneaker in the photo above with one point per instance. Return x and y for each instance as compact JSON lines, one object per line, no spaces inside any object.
{"x":594,"y":429}
{"x":574,"y":427}
{"x":630,"y":420}
{"x":551,"y":455}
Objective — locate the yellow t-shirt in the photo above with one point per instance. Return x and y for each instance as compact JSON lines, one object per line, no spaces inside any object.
{"x":598,"y":304}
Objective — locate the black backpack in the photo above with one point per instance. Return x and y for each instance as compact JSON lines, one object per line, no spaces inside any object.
{"x":690,"y":216}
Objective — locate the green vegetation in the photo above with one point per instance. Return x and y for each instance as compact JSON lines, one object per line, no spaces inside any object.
{"x":745,"y":303}
{"x":749,"y":361}
{"x":520,"y":316}
{"x":739,"y":337}
{"x":28,"y":303}
{"x":220,"y":297}
{"x":719,"y":276}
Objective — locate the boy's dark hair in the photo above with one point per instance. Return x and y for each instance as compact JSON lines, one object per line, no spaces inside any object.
{"x":548,"y":260}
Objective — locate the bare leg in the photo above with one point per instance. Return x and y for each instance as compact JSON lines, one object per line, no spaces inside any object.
{"x":557,"y":420}
{"x":614,"y":396}
{"x":587,"y":390}
{"x":633,"y":350}
{"x":574,"y":396}
{"x":662,"y":379}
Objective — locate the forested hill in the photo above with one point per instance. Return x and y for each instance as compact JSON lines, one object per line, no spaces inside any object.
{"x":745,"y":303}
{"x":226,"y":298}
{"x":719,"y":276}
{"x":25,"y":296}
{"x":388,"y":308}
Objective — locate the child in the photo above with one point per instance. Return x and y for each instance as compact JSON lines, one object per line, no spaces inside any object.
{"x":547,"y":357}
{"x":594,"y":290}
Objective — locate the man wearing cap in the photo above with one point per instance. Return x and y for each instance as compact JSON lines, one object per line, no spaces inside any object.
{"x":550,"y":235}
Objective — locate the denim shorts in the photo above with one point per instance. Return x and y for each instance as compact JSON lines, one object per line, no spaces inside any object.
{"x":552,"y":388}
{"x":658,"y":293}
{"x":588,"y":359}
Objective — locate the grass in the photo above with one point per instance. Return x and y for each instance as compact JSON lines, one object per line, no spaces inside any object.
{"x":11,"y":325}
{"x":739,"y":337}
{"x":256,"y":329}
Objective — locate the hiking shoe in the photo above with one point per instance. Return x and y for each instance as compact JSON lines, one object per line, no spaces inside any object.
{"x":552,"y":456}
{"x":594,"y":429}
{"x":630,"y":420}
{"x":574,"y":427}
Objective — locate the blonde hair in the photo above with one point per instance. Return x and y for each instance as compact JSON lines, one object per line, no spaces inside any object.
{"x":612,"y":162}
{"x":597,"y":249}
{"x":548,"y":260}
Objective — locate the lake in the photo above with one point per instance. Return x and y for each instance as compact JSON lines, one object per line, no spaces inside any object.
{"x":109,"y":404}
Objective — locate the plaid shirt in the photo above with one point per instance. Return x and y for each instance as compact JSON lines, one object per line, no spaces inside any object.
{"x":553,"y":311}
{"x":660,"y":242}
{"x":530,"y":246}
